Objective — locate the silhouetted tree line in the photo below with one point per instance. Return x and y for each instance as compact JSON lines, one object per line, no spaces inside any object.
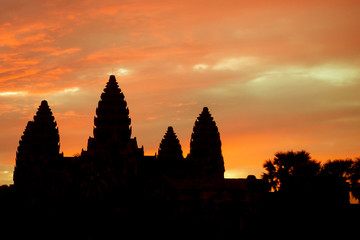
{"x":308,"y":196}
{"x":288,"y":169}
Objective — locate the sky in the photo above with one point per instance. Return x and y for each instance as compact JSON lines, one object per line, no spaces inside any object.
{"x":276,"y":75}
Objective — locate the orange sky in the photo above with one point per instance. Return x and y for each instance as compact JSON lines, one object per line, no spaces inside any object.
{"x":276,"y":75}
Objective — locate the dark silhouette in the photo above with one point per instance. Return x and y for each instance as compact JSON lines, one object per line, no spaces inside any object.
{"x":309,"y":197}
{"x":287,"y":168}
{"x":205,"y":148}
{"x":346,"y":171}
{"x":354,"y":178}
{"x":112,"y":149}
{"x":113,"y":189}
{"x":339,"y":168}
{"x":170,"y":147}
{"x":170,"y":157}
{"x":37,"y":155}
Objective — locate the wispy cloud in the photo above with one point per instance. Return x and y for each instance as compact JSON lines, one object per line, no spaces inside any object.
{"x":236,"y":64}
{"x":13,"y":94}
{"x":200,"y":67}
{"x":69,"y":90}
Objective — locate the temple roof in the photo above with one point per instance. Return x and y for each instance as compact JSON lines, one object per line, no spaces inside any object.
{"x":205,"y":148}
{"x":205,"y":133}
{"x":41,"y":136}
{"x":170,"y":146}
{"x":112,"y":121}
{"x":44,"y":114}
{"x":205,"y":139}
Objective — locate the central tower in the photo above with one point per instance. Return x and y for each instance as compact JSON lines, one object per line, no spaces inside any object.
{"x":112,"y":121}
{"x":112,"y":146}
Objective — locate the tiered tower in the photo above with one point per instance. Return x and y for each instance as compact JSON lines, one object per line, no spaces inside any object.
{"x":205,"y":148}
{"x":112,"y":143}
{"x":38,"y":150}
{"x":112,"y":121}
{"x":170,"y":158}
{"x":170,"y":147}
{"x":112,"y":153}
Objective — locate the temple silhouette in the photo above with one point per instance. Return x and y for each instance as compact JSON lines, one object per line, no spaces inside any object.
{"x":112,"y":150}
{"x":113,"y":179}
{"x":113,"y":190}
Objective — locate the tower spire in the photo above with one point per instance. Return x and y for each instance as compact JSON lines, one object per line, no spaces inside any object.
{"x":46,"y":131}
{"x":170,"y":147}
{"x":205,"y":148}
{"x":112,"y":121}
{"x":112,"y":147}
{"x":38,"y":147}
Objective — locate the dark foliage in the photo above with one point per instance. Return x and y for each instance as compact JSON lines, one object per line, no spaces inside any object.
{"x":309,"y":198}
{"x":290,"y":167}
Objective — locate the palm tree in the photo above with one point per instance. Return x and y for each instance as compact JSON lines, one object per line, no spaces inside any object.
{"x":270,"y":176}
{"x":354,"y":179}
{"x":289,"y":167}
{"x":338,"y":168}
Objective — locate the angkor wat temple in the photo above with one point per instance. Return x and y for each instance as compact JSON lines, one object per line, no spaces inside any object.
{"x":112,"y":190}
{"x":112,"y":185}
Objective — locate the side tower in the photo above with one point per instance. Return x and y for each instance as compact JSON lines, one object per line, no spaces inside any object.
{"x":205,"y":148}
{"x":170,"y":147}
{"x":112,"y":146}
{"x":170,"y":156}
{"x":38,"y":150}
